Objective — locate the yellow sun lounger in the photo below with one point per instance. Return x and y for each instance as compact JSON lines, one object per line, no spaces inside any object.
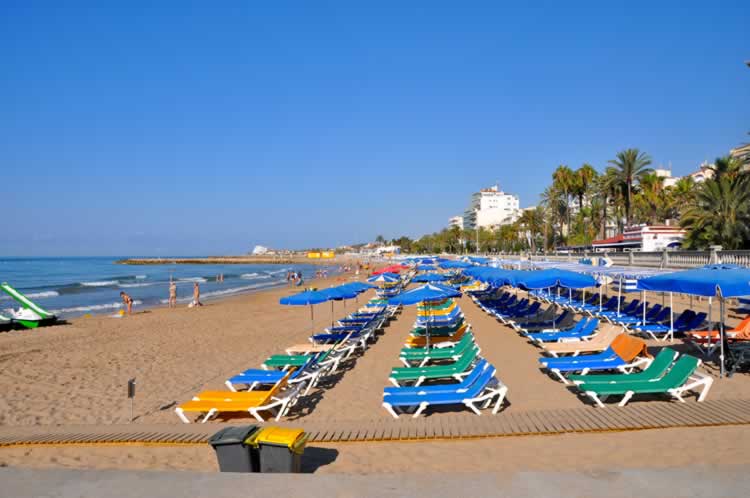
{"x":253,"y":402}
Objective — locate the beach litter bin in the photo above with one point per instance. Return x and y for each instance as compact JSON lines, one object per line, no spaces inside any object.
{"x":279,"y":449}
{"x":232,"y":452}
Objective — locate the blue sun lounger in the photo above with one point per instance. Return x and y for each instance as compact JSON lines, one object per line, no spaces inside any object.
{"x":606,"y":360}
{"x":584,"y":328}
{"x":467,"y":382}
{"x":485,"y":388}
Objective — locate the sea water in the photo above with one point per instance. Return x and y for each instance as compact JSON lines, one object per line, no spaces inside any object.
{"x":76,"y":286}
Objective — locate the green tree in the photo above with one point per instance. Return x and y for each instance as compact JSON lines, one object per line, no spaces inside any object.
{"x":563,"y":182}
{"x":584,"y":177}
{"x":720,"y":214}
{"x":631,"y":165}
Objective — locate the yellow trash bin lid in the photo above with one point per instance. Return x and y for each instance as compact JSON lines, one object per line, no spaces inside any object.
{"x":294,"y":439}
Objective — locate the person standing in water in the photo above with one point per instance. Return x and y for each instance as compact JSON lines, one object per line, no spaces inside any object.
{"x":127,"y":301}
{"x":172,"y":294}
{"x":196,"y":295}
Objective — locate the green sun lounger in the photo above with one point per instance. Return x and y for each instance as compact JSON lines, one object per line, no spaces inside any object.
{"x":456,"y":370}
{"x":38,"y":316}
{"x":409,"y":356}
{"x":286,"y":361}
{"x":681,"y":378}
{"x":438,"y":330}
{"x":654,"y":371}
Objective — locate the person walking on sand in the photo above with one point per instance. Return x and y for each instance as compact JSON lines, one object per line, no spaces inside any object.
{"x":127,"y":301}
{"x":196,"y":295}
{"x":172,"y":294}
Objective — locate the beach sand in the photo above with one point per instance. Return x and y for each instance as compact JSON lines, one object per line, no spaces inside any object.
{"x":77,"y":374}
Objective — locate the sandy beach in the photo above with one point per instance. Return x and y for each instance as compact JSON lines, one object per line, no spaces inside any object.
{"x":77,"y":374}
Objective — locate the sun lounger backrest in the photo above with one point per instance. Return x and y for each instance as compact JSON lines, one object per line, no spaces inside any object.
{"x":683,"y":368}
{"x":25,"y":301}
{"x":628,"y":347}
{"x":590,"y":327}
{"x":661,"y":362}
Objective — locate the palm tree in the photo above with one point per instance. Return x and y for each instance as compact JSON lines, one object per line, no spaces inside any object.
{"x":726,"y":166}
{"x":608,"y":188}
{"x":631,"y":165}
{"x":720,"y":214}
{"x":584,"y":177}
{"x":563,"y":180}
{"x":651,"y":195}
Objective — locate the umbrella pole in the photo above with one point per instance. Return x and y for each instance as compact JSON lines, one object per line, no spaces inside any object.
{"x":601,"y":291}
{"x":619,"y":294}
{"x":721,"y":335}
{"x":710,"y":329}
{"x":643,"y":298}
{"x":671,"y":318}
{"x":312,"y":320}
{"x":331,"y":312}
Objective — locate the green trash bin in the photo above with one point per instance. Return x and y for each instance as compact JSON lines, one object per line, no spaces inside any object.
{"x":280,"y":449}
{"x":233,"y":454}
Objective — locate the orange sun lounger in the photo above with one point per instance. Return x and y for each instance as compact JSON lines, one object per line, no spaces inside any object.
{"x":741,"y":331}
{"x":421,"y":341}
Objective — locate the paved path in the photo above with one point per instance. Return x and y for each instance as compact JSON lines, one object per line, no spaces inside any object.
{"x":715,"y":482}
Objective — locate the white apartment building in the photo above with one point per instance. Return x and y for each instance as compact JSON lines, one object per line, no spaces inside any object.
{"x":491,"y":208}
{"x":456,"y":221}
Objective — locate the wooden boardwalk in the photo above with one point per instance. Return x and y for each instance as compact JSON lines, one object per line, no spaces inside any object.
{"x":637,"y":416}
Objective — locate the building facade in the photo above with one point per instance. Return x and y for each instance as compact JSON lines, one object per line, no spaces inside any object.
{"x":456,"y":221}
{"x":491,"y":208}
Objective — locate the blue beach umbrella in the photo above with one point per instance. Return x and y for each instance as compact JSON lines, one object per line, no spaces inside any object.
{"x":708,"y":281}
{"x":358,"y":287}
{"x":306,"y":298}
{"x":430,"y":277}
{"x":426,"y":267}
{"x":339,"y":293}
{"x":387,"y":278}
{"x":450,"y":265}
{"x":427,"y":292}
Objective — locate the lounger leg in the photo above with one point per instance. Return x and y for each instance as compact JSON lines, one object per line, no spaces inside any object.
{"x":282,"y":409}
{"x":255,"y":414}
{"x":419,"y":381}
{"x":421,"y":408}
{"x":180,"y":413}
{"x":210,"y":414}
{"x":596,"y":399}
{"x":230,"y":386}
{"x":707,"y":383}
{"x":393,"y":381}
{"x":473,"y":408}
{"x":626,"y":398}
{"x":390,"y":409}
{"x":559,"y":375}
{"x":501,"y":393}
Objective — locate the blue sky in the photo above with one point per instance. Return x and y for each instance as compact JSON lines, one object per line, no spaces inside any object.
{"x":205,"y":128}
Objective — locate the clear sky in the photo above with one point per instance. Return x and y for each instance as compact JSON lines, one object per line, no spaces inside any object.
{"x":208,"y":127}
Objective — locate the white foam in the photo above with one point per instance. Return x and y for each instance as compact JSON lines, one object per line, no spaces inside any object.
{"x":34,"y":295}
{"x":93,"y":307}
{"x":102,"y":283}
{"x":125,"y":286}
{"x":192,"y":279}
{"x":276,"y":272}
{"x":140,"y":277}
{"x":254,"y":276}
{"x":225,"y":292}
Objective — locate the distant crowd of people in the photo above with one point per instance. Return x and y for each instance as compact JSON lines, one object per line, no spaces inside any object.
{"x":293,"y":278}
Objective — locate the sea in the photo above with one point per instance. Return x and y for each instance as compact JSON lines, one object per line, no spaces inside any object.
{"x":72,"y":287}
